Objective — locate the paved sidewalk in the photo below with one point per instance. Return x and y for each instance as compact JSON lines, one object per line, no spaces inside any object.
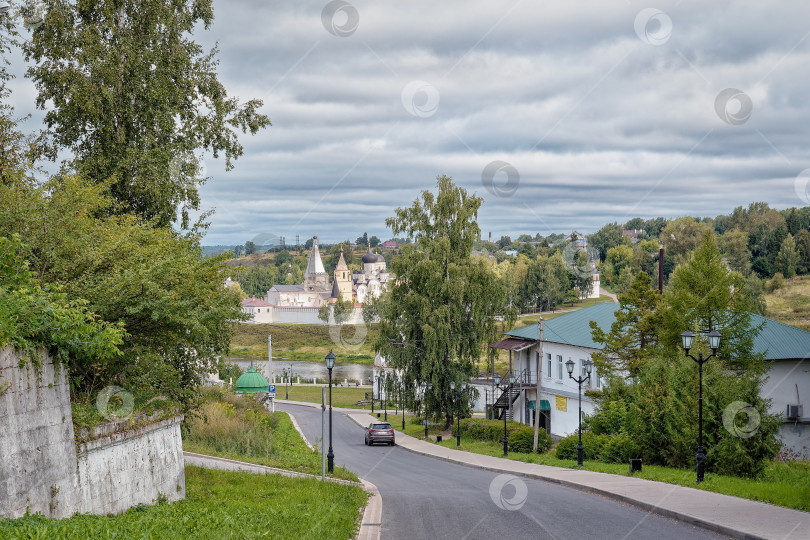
{"x":732,"y":516}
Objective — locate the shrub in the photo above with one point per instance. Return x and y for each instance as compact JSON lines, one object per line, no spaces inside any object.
{"x":592,"y":446}
{"x":619,"y":448}
{"x":520,"y":437}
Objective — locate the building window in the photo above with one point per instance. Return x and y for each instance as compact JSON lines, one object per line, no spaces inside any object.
{"x":597,"y":380}
{"x":559,"y":367}
{"x":582,"y":372}
{"x":548,"y":363}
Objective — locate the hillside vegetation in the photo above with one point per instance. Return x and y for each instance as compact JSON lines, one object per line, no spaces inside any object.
{"x":305,"y":341}
{"x":790,"y":304}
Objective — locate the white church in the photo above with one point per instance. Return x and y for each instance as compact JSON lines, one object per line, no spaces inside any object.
{"x":300,"y":303}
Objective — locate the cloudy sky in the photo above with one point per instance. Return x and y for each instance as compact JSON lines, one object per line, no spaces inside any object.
{"x":562,"y":115}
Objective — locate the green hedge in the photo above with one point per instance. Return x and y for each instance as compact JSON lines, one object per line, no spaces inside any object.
{"x":520,"y":437}
{"x":615,"y":448}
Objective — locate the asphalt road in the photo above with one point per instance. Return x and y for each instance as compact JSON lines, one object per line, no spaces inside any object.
{"x":424,"y":497}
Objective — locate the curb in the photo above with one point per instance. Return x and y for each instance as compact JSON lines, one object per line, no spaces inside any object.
{"x":199,"y":460}
{"x":371,"y":520}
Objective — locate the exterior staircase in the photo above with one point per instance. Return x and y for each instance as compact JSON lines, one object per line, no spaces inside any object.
{"x":509,"y":395}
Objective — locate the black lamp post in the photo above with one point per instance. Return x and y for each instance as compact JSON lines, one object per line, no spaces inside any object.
{"x":714,"y":343}
{"x":402,"y":398}
{"x":385,"y":401}
{"x":330,"y":456}
{"x":372,"y":395}
{"x":588,"y":365}
{"x":286,"y":382}
{"x":497,"y":378}
{"x":461,"y":388}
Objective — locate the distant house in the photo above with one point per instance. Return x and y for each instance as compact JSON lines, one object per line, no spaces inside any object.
{"x":258,"y":308}
{"x":632,"y":234}
{"x":568,"y":337}
{"x":389,"y":245}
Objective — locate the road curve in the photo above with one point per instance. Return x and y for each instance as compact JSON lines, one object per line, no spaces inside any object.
{"x":426,"y":497}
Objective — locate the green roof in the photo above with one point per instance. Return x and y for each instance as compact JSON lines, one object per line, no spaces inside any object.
{"x":251,"y":382}
{"x":778,"y":341}
{"x":572,"y":328}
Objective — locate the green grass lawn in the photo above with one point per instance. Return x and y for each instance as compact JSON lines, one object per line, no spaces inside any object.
{"x":310,"y":342}
{"x":341,"y":397}
{"x":218,"y":504}
{"x":783,"y":484}
{"x":237,"y":427}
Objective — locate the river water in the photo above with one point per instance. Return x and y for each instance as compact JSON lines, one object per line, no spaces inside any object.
{"x":310,"y":370}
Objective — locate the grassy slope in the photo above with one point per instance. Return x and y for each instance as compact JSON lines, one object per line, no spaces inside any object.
{"x":303,"y":342}
{"x":238,"y":428}
{"x":783,"y":484}
{"x":219,"y":504}
{"x":791,"y":303}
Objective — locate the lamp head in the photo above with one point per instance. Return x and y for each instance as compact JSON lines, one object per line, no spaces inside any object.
{"x":429,"y":387}
{"x":686,"y":339}
{"x":588,"y":366}
{"x":330,"y":360}
{"x":452,"y":385}
{"x":714,"y":340}
{"x":570,"y":366}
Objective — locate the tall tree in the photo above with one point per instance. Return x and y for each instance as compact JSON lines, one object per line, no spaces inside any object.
{"x":545,"y":284}
{"x":605,"y":238}
{"x":133,"y":97}
{"x":803,"y":246}
{"x":439,"y":314}
{"x":153,"y":283}
{"x":788,"y":257}
{"x":633,"y":336}
{"x":703,"y":295}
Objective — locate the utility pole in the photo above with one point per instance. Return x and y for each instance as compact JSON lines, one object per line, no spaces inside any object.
{"x":537,"y":397}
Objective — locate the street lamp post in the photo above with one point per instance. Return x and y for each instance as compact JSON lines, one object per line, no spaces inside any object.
{"x":385,"y":401}
{"x":286,"y":382}
{"x":402,"y":397}
{"x":330,"y":456}
{"x":461,"y":388}
{"x":714,"y":343}
{"x":373,"y":382}
{"x":588,"y":365}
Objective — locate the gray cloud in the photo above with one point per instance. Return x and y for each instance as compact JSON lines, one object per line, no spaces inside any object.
{"x":600,"y":125}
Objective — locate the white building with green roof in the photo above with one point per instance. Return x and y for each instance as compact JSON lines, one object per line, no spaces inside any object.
{"x":568,"y":337}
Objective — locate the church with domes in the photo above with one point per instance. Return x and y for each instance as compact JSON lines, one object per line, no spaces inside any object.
{"x":356,"y":287}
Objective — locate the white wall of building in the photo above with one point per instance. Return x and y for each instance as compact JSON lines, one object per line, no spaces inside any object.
{"x":557,"y":387}
{"x":788,"y":382}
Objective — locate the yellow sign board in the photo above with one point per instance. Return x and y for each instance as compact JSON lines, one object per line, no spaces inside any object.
{"x":562,"y":403}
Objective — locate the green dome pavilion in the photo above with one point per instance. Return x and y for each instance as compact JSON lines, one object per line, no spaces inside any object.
{"x":251,"y":382}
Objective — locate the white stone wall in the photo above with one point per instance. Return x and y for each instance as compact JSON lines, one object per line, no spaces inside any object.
{"x":37,"y":449}
{"x":124,"y":469}
{"x":40,"y":468}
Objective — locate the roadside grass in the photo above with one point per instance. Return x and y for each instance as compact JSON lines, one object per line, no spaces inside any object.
{"x":238,"y":427}
{"x":310,"y":342}
{"x":218,"y":504}
{"x":341,"y":397}
{"x":791,"y":303}
{"x":783,"y":483}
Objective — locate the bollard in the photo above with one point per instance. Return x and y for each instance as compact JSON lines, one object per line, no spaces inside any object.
{"x":635,"y":465}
